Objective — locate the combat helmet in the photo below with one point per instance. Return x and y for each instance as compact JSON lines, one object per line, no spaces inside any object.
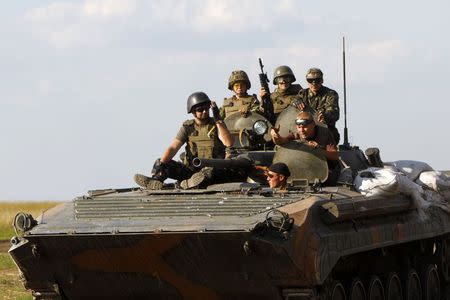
{"x":314,"y":73}
{"x":237,"y":76}
{"x":283,"y":71}
{"x":195,"y":99}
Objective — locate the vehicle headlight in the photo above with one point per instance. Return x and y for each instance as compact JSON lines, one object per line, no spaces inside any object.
{"x":260,"y":127}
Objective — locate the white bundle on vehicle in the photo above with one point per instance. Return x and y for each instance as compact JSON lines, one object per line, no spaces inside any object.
{"x":384,"y":182}
{"x":410,"y":168}
{"x":435,"y":180}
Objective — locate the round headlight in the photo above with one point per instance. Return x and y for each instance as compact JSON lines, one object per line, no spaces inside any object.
{"x":260,"y":127}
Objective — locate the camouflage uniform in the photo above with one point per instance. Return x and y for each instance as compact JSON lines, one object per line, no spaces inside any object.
{"x":201,"y":141}
{"x":326,"y":101}
{"x":282,"y":99}
{"x":234,"y":104}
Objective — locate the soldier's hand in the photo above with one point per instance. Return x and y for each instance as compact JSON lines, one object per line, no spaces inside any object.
{"x":262,"y":92}
{"x":216,"y":112}
{"x":321,"y":118}
{"x":313,"y":144}
{"x":244,"y":110}
{"x":274,"y":132}
{"x":299,"y":104}
{"x":331,"y":148}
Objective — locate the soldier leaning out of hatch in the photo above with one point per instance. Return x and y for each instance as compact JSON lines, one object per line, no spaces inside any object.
{"x":241,"y":101}
{"x":205,"y":137}
{"x":277,"y":176}
{"x":316,"y":137}
{"x":322,"y":99}
{"x":286,"y":92}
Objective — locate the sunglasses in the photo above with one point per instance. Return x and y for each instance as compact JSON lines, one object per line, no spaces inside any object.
{"x":285,"y":79}
{"x":303,"y":122}
{"x":271,"y":175}
{"x":314,"y":80}
{"x":201,"y":108}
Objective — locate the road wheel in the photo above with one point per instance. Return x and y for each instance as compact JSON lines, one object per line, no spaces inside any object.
{"x":337,"y":291}
{"x":375,"y":290}
{"x":431,"y":283}
{"x":412,"y":288}
{"x":393,"y":287}
{"x":356,"y":290}
{"x":443,"y":254}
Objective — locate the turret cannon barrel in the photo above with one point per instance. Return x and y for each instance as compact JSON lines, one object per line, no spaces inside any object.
{"x":234,"y":163}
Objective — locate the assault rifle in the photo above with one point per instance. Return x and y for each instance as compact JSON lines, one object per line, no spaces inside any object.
{"x":267,"y":104}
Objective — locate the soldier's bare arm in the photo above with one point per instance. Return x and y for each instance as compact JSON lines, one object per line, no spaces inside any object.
{"x":331,"y":152}
{"x":224,"y":135}
{"x":170,"y":152}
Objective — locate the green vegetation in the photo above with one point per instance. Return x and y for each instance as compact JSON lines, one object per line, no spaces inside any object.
{"x":10,"y":285}
{"x":10,"y":209}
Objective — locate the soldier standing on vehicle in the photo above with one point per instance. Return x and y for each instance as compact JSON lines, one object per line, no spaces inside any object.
{"x":241,"y":101}
{"x":322,"y":99}
{"x":203,"y":136}
{"x":286,"y":92}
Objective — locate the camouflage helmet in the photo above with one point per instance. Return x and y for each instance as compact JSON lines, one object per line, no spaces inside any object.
{"x":237,"y":76}
{"x":283,"y":71}
{"x":196,"y":99}
{"x":314,"y":73}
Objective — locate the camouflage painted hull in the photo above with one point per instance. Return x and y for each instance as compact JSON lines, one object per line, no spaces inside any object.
{"x":218,"y":245}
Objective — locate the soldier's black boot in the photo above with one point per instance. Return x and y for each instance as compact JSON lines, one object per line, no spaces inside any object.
{"x":197,"y":179}
{"x":149,"y":183}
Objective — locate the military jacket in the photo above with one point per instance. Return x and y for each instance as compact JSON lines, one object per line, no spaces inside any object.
{"x":234,"y":104}
{"x":282,"y":99}
{"x":201,"y":140}
{"x":326,"y":101}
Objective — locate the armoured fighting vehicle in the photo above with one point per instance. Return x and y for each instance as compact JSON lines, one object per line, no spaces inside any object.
{"x":239,"y":240}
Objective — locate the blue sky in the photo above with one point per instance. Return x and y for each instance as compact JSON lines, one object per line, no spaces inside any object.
{"x":92,"y":92}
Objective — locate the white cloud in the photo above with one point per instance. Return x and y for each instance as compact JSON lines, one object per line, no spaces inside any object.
{"x":108,"y":8}
{"x":70,"y":24}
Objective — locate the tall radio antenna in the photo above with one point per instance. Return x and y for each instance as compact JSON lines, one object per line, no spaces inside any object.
{"x":346,"y":144}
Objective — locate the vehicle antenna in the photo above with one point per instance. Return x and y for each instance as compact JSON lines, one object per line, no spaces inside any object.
{"x":346,"y":144}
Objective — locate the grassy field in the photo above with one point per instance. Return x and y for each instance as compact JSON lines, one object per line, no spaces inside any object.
{"x":10,"y":285}
{"x":8,"y":211}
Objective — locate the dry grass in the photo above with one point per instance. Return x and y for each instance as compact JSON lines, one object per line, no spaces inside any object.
{"x":8,"y":211}
{"x":10,"y":285}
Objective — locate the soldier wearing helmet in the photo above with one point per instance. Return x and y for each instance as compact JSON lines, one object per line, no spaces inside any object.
{"x":286,"y":92}
{"x":322,"y":99}
{"x":241,"y":101}
{"x":204,"y":137}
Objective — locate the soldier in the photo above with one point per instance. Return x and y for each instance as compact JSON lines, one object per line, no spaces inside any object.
{"x":204,"y":137}
{"x":316,"y":137}
{"x":323,"y":100}
{"x":286,"y":92}
{"x":308,"y":132}
{"x":241,"y":101}
{"x":277,"y":175}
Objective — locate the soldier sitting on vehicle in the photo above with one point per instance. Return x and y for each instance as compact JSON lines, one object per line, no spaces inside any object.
{"x":241,"y":101}
{"x":286,"y":92}
{"x":204,"y":137}
{"x":277,"y":175}
{"x":323,"y":100}
{"x":316,"y":137}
